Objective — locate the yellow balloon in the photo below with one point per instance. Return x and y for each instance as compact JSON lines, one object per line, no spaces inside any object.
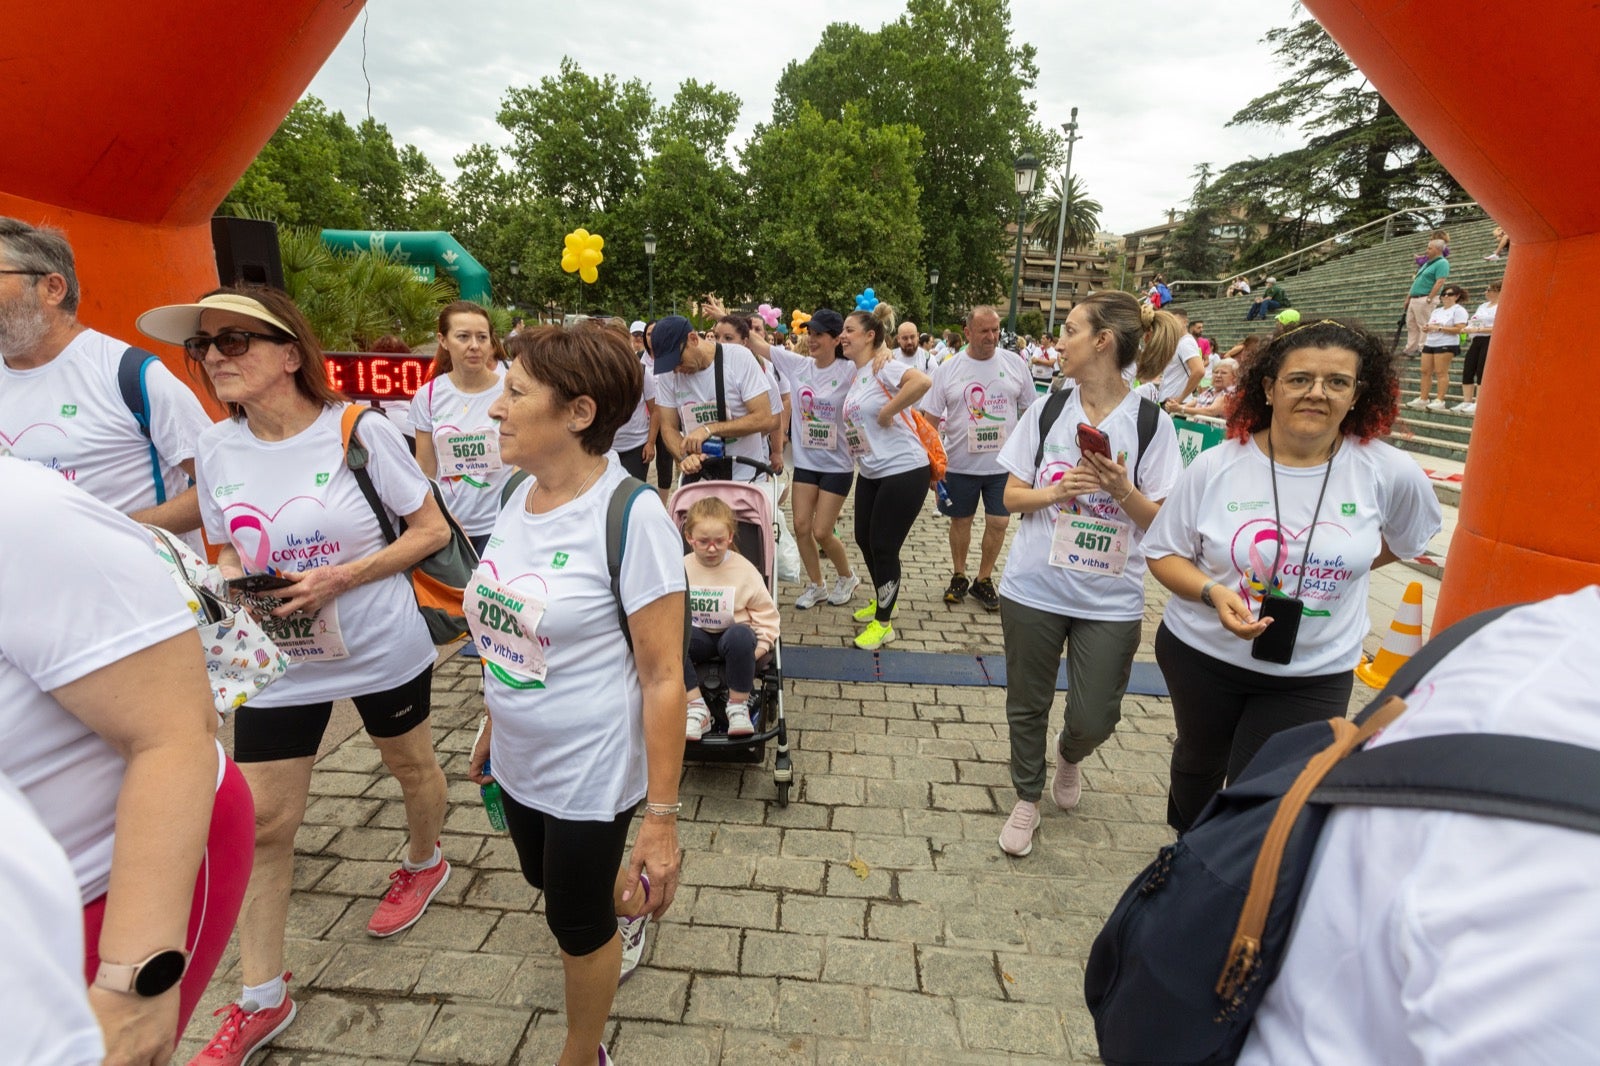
{"x":596,"y":241}
{"x":589,"y":274}
{"x":581,"y":233}
{"x":569,"y":261}
{"x":589,"y":258}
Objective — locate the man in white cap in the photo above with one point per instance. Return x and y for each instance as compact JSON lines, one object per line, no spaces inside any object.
{"x":108,"y":417}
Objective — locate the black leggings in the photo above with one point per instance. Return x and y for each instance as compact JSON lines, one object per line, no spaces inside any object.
{"x":664,"y":468}
{"x":886,"y":509}
{"x":1224,"y":713}
{"x":575,"y":865}
{"x":632,"y":460}
{"x":1477,"y":359}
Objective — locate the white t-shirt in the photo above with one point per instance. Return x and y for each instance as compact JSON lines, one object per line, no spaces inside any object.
{"x":978,"y":402}
{"x":1444,"y":326}
{"x":1175,"y":378}
{"x":573,"y":745}
{"x":81,"y":589}
{"x":1220,"y":517}
{"x":814,"y":419}
{"x":443,"y":411}
{"x":917,"y":360}
{"x":69,"y":416}
{"x":294,"y":505}
{"x":1483,"y":317}
{"x":44,"y":1005}
{"x":888,"y":451}
{"x":1436,"y":938}
{"x":1029,"y":578}
{"x":694,"y":398}
{"x":636,"y":430}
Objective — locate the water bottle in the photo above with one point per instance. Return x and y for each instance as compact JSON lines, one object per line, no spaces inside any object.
{"x":494,"y":804}
{"x":942,"y":495}
{"x":712,"y":448}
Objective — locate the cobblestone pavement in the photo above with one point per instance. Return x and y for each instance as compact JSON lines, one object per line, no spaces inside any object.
{"x":873,"y":921}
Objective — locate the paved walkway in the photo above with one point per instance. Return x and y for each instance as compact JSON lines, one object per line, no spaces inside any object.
{"x":873,"y":921}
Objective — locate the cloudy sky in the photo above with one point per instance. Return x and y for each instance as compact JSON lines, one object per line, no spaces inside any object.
{"x":1154,"y":82}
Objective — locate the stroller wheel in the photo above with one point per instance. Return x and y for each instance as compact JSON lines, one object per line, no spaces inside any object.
{"x":783,"y":793}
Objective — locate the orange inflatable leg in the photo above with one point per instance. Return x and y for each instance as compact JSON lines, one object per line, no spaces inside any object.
{"x":1507,"y":120}
{"x":126,"y":125}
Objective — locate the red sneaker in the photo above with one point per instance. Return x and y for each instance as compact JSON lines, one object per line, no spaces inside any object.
{"x":244,"y":1032}
{"x":407,"y":898}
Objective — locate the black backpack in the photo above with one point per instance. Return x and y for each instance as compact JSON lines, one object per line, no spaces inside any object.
{"x":1184,"y":960}
{"x":1149,"y":418}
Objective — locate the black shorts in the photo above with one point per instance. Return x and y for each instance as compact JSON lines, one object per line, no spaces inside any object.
{"x":575,"y":865}
{"x":632,"y":460}
{"x":964,"y":490}
{"x":837,"y":482}
{"x":1448,"y":349}
{"x":268,"y":734}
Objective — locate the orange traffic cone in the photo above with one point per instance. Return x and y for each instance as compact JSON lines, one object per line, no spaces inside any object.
{"x":1402,"y":642}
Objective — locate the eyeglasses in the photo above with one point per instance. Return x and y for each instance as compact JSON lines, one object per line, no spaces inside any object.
{"x":1332,"y":384}
{"x":28,"y":273}
{"x":230,"y":342}
{"x":710,"y":542}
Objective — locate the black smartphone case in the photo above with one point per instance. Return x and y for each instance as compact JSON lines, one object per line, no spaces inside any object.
{"x":1276,"y":645}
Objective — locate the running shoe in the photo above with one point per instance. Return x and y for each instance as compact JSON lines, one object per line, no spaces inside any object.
{"x":1469,"y":408}
{"x":1492,"y":256}
{"x":739,"y":724}
{"x":875,"y":636}
{"x":407,"y":898}
{"x":958,"y":588}
{"x":244,"y":1032}
{"x":844,"y":589}
{"x":1419,"y":403}
{"x":699,"y":720}
{"x":1436,"y":405}
{"x":813,"y":595}
{"x":1460,"y":407}
{"x":870,"y":611}
{"x":1016,"y":836}
{"x":983,"y":591}
{"x":1067,"y":788}
{"x":632,"y":931}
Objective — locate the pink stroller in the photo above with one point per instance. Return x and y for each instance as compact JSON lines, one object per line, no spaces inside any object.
{"x":755,"y":510}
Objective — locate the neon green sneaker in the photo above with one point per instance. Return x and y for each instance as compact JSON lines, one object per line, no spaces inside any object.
{"x":875,"y":636}
{"x":870,"y":611}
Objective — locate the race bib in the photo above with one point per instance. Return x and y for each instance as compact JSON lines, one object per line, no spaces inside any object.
{"x":475,"y":453}
{"x":711,"y":609}
{"x":821,"y":436}
{"x":504,"y":623}
{"x":306,"y":638}
{"x":1091,"y":545}
{"x":855,"y":441}
{"x":699,"y":414}
{"x":986,"y":436}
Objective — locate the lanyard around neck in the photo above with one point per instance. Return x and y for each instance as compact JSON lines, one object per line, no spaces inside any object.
{"x":1316,"y":512}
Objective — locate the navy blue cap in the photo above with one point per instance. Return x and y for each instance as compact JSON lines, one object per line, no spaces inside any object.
{"x":824,"y":320}
{"x":667,"y":342}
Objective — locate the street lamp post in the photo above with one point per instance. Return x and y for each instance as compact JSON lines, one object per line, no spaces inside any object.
{"x":516,"y":268}
{"x":1025,"y":171}
{"x":1071,"y":130}
{"x":933,"y":296}
{"x":650,"y":268}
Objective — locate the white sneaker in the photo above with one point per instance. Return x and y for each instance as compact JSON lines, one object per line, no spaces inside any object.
{"x":632,"y":931}
{"x":844,"y":590}
{"x":1462,"y":406}
{"x":739,"y":724}
{"x":1436,"y":405}
{"x":699,"y":720}
{"x":1468,"y":408}
{"x":1492,"y":256}
{"x":1419,"y":403}
{"x":813,"y":595}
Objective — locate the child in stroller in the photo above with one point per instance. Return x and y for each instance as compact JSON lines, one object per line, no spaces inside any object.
{"x":731,"y":613}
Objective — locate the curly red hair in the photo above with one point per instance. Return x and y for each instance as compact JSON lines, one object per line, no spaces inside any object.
{"x":1377,"y":403}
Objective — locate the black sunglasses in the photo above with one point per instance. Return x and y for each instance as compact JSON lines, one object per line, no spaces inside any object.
{"x":230,"y":342}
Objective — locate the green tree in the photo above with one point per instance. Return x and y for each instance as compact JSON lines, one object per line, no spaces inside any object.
{"x":302,"y":159}
{"x":951,"y":69}
{"x":352,"y":300}
{"x":703,"y":115}
{"x":836,"y":209}
{"x":1083,"y":215}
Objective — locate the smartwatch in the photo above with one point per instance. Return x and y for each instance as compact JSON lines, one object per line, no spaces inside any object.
{"x":150,"y":978}
{"x":1205,"y":593}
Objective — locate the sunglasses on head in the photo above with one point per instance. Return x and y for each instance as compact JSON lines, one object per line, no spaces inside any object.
{"x":230,"y":342}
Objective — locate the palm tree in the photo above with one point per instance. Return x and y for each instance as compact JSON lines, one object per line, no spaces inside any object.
{"x":1083,"y":216}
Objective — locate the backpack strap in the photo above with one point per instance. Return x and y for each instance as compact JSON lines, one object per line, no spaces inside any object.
{"x":132,"y":383}
{"x":722,"y":388}
{"x":355,"y":457}
{"x":617,"y":515}
{"x":1149,"y":419}
{"x":511,"y":485}
{"x":1053,"y":406}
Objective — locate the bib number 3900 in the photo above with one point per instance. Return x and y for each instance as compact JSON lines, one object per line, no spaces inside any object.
{"x":1090,"y":545}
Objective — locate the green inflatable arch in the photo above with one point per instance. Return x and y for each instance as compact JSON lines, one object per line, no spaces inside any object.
{"x":419,"y":248}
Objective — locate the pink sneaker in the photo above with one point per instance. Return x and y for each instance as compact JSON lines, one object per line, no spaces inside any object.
{"x":407,"y":898}
{"x":244,"y":1032}
{"x":1016,"y":836}
{"x":1067,"y":788}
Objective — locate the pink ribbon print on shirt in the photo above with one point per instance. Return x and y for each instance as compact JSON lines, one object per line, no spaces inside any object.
{"x":1258,"y":544}
{"x":247,"y":532}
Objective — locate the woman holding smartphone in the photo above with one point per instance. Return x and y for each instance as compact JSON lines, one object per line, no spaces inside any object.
{"x":1087,"y":487}
{"x":1267,"y":543}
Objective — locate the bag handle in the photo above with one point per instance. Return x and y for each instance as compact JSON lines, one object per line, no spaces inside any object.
{"x":905,"y":412}
{"x":355,"y":457}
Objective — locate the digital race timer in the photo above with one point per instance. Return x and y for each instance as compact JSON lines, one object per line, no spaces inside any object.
{"x":377,"y":376}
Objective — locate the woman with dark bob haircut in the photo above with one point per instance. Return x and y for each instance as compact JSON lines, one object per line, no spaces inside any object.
{"x":1298,"y":507}
{"x":584,"y":686}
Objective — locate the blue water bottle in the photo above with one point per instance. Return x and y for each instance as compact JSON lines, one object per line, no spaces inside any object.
{"x":942,"y":498}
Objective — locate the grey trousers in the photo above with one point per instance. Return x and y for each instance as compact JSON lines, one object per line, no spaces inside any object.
{"x":1099,"y":662}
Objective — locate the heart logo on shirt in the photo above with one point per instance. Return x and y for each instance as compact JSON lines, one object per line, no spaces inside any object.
{"x":23,"y":432}
{"x":1256,"y":568}
{"x":248,"y":531}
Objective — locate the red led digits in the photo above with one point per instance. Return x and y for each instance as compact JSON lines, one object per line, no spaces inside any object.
{"x":377,"y":377}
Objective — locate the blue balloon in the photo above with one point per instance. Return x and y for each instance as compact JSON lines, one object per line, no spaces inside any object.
{"x":867,"y":301}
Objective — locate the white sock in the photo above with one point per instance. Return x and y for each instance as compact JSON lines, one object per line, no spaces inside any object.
{"x":418,"y":867}
{"x":266,"y":996}
{"x":742,"y":705}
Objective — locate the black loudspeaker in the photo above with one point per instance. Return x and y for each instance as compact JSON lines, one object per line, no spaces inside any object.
{"x":247,"y":251}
